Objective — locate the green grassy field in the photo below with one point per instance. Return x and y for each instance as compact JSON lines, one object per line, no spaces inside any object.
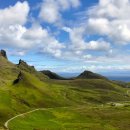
{"x":35,"y":90}
{"x":28,"y":95}
{"x":75,"y":118}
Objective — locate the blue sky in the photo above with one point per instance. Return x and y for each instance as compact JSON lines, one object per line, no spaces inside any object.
{"x":67,"y":35}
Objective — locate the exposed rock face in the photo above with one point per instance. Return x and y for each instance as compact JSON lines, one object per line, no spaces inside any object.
{"x":19,"y":78}
{"x":22,"y":62}
{"x":3,"y":53}
{"x":90,"y":75}
{"x":24,"y":66}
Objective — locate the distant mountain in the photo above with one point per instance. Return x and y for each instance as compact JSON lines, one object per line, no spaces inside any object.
{"x":52,"y":75}
{"x":84,"y":75}
{"x":90,"y":75}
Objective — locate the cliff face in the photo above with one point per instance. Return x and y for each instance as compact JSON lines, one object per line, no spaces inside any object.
{"x":3,"y":53}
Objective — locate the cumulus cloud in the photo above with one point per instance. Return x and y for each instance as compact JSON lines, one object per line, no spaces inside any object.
{"x":111,"y":18}
{"x":35,"y":37}
{"x":99,"y":45}
{"x":8,"y":16}
{"x":14,"y":34}
{"x":108,"y":20}
{"x":79,"y":44}
{"x":51,"y":9}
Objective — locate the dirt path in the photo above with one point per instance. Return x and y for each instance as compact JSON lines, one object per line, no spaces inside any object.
{"x":7,"y":122}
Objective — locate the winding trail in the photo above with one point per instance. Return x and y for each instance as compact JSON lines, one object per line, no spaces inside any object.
{"x":20,"y":115}
{"x":7,"y":122}
{"x":6,"y":127}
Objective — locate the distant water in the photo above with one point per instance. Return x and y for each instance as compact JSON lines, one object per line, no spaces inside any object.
{"x":120,"y":78}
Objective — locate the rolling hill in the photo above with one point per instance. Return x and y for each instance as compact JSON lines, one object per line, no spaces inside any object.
{"x":23,"y":88}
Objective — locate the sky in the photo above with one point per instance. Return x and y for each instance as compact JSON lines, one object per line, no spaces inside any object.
{"x":67,"y":35}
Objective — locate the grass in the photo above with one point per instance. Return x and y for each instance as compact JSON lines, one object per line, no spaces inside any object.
{"x":80,"y":118}
{"x":37,"y":91}
{"x":31,"y":93}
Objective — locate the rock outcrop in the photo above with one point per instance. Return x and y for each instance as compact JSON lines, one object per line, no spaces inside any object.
{"x":3,"y":53}
{"x":22,"y":62}
{"x":19,"y":78}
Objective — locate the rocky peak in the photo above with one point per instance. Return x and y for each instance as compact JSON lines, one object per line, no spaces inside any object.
{"x":24,"y":66}
{"x":22,"y":62}
{"x":3,"y":53}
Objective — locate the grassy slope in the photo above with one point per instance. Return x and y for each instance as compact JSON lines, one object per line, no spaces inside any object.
{"x":32,"y":93}
{"x":8,"y":72}
{"x":83,"y":118}
{"x":35,"y":91}
{"x":30,"y":69}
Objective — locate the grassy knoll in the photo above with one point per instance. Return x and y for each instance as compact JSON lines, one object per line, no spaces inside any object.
{"x":79,"y":118}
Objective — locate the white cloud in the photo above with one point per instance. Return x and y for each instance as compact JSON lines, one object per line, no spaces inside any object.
{"x":14,"y":34}
{"x":111,"y":18}
{"x":118,"y":69}
{"x":76,"y":38}
{"x":99,"y":26}
{"x":99,"y":45}
{"x":11,"y":36}
{"x":51,"y":9}
{"x":35,"y":37}
{"x":79,"y":44}
{"x":16,"y":14}
{"x":87,"y":56}
{"x":108,"y":19}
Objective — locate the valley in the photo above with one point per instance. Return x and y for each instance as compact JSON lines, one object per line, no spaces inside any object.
{"x":89,"y":101}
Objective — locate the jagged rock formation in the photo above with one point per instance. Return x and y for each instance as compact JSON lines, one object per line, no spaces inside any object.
{"x":52,"y":75}
{"x":24,"y":66}
{"x":19,"y":78}
{"x":90,"y":75}
{"x":3,"y":53}
{"x":22,"y":62}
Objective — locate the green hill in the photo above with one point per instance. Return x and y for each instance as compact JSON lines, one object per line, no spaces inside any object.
{"x":52,"y":75}
{"x":8,"y":71}
{"x":34,"y":90}
{"x":90,"y":75}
